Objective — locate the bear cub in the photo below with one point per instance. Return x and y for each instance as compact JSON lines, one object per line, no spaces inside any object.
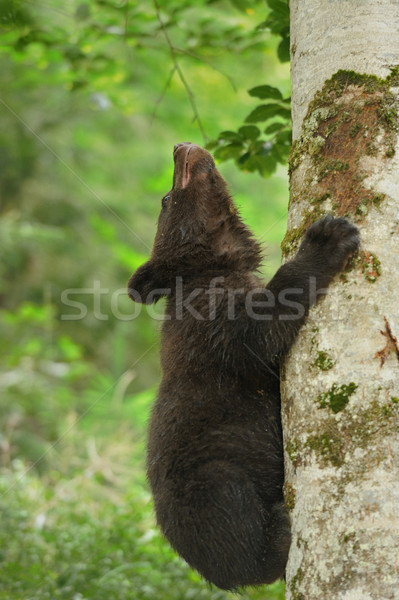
{"x":215,"y":452}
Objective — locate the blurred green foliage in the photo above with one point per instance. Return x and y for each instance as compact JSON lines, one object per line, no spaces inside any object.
{"x":93,"y":97}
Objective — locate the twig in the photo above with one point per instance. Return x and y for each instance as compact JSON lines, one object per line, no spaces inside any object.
{"x":206,"y":62}
{"x":179,"y":71}
{"x":129,"y":52}
{"x":126,"y":20}
{"x":161,"y":97}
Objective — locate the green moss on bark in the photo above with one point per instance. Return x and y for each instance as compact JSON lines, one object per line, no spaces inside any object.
{"x":292,"y":449}
{"x":352,"y":117}
{"x":371,"y":266}
{"x":293,"y":237}
{"x":337,"y":396}
{"x":328,"y":447}
{"x":289,"y":496}
{"x":295,"y":581}
{"x":333,"y":440}
{"x":324,"y":362}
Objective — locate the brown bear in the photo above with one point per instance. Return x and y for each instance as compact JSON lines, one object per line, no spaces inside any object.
{"x":215,"y":455}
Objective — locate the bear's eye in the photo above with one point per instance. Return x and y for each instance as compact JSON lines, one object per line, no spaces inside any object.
{"x":165,"y":200}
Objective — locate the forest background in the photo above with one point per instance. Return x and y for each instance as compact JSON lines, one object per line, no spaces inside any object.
{"x":93,"y":96}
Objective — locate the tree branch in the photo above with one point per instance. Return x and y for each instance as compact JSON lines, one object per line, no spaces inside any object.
{"x":161,"y":97}
{"x":179,"y":71}
{"x":209,"y":64}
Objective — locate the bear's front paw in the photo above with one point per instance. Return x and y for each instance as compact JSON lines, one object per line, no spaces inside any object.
{"x":144,"y":285}
{"x":334,"y":239}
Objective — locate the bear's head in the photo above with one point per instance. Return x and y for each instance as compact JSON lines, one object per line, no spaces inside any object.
{"x":199,"y":231}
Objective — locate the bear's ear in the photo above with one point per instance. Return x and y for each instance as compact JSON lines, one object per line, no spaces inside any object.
{"x":144,"y":286}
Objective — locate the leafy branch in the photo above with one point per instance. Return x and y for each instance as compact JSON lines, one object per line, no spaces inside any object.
{"x":278,"y":22}
{"x":251,"y":150}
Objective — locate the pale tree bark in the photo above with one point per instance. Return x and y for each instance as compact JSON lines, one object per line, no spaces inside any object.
{"x":340,"y":387}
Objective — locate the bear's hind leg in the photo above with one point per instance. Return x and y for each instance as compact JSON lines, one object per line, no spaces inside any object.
{"x":219,"y":525}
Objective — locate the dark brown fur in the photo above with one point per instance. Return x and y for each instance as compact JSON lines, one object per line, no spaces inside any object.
{"x":215,"y":458}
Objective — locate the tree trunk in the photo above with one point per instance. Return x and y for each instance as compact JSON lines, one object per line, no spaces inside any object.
{"x":340,"y":384}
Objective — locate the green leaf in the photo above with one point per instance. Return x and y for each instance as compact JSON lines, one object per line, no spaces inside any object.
{"x":283,"y":50}
{"x":266,"y":165}
{"x":280,"y":153}
{"x":262,"y":148}
{"x":285,"y":113}
{"x":274,"y":127}
{"x":279,"y":8}
{"x":243,"y":158}
{"x":278,"y":20}
{"x":230,"y":151}
{"x":249,"y":132}
{"x":285,"y":137}
{"x":211,"y":145}
{"x":230,"y":136}
{"x":265,"y":91}
{"x":266,"y":111}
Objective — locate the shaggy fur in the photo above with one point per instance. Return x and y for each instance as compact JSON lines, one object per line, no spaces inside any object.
{"x":215,"y":457}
